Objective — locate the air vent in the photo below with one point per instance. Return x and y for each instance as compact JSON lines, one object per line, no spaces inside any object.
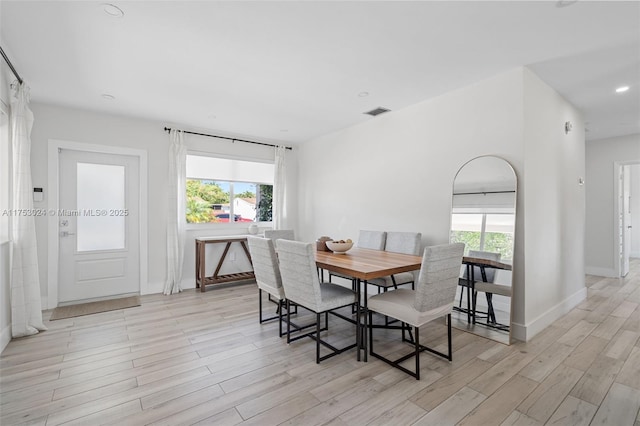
{"x":377,"y":111}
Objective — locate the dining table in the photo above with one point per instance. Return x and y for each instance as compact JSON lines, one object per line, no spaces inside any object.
{"x":470,"y":263}
{"x":363,"y":265}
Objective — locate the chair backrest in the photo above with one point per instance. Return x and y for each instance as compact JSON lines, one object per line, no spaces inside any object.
{"x":299,"y":273}
{"x":280,"y":234}
{"x":372,"y":240}
{"x":404,"y":242}
{"x":438,"y":279}
{"x":265,"y":262}
{"x":490,"y":273}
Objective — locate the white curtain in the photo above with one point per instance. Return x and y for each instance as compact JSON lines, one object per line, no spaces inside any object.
{"x":26,"y":304}
{"x":279,"y":187}
{"x":176,"y":212}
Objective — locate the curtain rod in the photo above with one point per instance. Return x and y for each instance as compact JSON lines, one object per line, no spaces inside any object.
{"x":168,"y":129}
{"x":483,"y":192}
{"x":6,"y":59}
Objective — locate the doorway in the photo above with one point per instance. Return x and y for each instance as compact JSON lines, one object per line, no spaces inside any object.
{"x":626,"y":212}
{"x":97,"y":222}
{"x":98,"y":217}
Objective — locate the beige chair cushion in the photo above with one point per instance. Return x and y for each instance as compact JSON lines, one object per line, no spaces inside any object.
{"x":399,"y":304}
{"x":334,"y":296}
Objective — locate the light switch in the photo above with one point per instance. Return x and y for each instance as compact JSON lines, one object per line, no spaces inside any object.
{"x":38,"y":194}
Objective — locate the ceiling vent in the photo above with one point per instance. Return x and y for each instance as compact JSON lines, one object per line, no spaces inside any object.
{"x":377,"y":111}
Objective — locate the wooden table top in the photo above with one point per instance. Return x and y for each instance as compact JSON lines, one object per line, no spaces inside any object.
{"x":367,"y":264}
{"x":478,"y":261}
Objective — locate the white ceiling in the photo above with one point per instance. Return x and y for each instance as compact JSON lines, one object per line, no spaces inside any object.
{"x":292,"y":71}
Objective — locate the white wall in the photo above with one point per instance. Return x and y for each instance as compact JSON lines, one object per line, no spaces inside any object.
{"x":554,"y":207}
{"x":395,"y":172}
{"x":67,"y":124}
{"x":601,"y":155}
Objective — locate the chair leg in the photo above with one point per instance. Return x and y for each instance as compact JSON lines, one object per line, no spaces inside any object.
{"x":450,"y":358}
{"x":318,"y":338}
{"x":416,"y":350}
{"x":288,"y":322}
{"x":260,"y":305}
{"x":280,"y":309}
{"x":417,"y":345}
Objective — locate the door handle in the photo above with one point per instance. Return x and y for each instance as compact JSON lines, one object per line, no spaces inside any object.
{"x":66,"y":233}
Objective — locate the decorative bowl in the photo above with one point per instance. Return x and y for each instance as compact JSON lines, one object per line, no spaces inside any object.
{"x":339,"y":247}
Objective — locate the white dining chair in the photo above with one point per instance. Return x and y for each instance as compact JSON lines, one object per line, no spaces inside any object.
{"x":399,"y":242}
{"x":432,"y":299}
{"x":280,"y":234}
{"x":302,"y":287}
{"x":267,"y":272}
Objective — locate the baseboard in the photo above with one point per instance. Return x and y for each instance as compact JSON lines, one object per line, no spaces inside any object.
{"x":158,"y":287}
{"x":600,"y":272}
{"x":5,"y":337}
{"x":153,"y":288}
{"x":525,"y":332}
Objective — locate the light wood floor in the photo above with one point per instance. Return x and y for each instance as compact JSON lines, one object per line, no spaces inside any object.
{"x":203,"y":359}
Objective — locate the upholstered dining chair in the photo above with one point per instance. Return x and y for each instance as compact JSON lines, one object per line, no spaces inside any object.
{"x":277,"y":234}
{"x":302,"y":287}
{"x":485,"y":282}
{"x":433,"y":298}
{"x":484,"y":279}
{"x":399,"y":242}
{"x":267,"y":272}
{"x":477,"y":271}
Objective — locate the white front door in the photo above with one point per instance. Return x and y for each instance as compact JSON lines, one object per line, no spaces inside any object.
{"x":626,"y":220}
{"x":99,"y":244}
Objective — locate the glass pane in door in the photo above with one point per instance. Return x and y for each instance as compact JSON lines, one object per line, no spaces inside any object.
{"x":100,"y":206}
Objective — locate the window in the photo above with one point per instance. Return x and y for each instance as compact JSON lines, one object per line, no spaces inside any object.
{"x":221,"y":190}
{"x":485,"y":222}
{"x":484,"y":232}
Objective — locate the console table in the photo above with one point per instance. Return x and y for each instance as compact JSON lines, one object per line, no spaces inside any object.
{"x":201,"y":279}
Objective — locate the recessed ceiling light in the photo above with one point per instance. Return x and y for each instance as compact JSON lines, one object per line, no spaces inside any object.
{"x":622,"y":89}
{"x":363,"y":94}
{"x":108,"y":96}
{"x":284,"y":130}
{"x":112,"y":10}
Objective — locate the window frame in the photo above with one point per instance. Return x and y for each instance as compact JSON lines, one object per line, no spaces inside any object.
{"x":483,"y":227}
{"x":229,"y":224}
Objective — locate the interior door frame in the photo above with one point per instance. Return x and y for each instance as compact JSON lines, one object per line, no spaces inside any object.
{"x":53,"y":205}
{"x":617,"y":169}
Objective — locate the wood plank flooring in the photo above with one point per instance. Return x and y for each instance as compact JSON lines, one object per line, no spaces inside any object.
{"x":203,"y":358}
